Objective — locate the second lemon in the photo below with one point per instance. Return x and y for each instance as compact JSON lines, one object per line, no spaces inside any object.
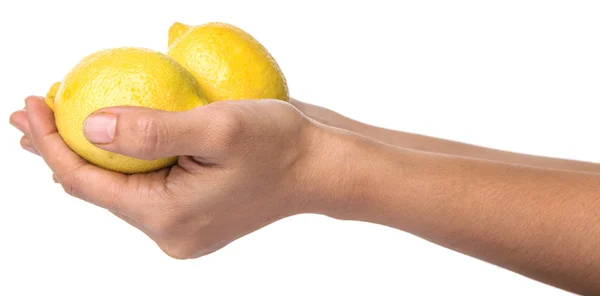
{"x":228,"y":63}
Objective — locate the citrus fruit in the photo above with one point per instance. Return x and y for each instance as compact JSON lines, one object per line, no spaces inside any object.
{"x":120,"y":77}
{"x":228,"y":63}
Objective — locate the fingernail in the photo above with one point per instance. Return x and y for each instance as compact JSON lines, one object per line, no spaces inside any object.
{"x":100,"y":128}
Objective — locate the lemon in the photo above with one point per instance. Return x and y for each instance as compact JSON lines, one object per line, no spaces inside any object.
{"x":117,"y":77}
{"x":228,"y":63}
{"x":51,"y":95}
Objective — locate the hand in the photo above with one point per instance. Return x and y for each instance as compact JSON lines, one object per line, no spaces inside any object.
{"x":242,"y":165}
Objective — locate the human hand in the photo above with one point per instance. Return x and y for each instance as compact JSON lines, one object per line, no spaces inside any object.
{"x":242,"y":165}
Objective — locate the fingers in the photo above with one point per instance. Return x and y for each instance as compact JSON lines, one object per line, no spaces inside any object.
{"x":28,"y":146}
{"x":95,"y":185}
{"x":149,"y":134}
{"x":19,"y":120}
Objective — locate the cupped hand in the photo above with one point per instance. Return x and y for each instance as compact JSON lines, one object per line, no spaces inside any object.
{"x":242,"y":165}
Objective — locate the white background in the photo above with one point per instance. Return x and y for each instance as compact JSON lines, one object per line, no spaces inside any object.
{"x":515,"y":75}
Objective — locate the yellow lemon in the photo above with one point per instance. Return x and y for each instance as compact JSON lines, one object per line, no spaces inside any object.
{"x":121,"y":77}
{"x":228,"y":63}
{"x":51,"y":95}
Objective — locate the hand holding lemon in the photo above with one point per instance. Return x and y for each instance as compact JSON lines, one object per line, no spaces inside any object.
{"x":204,"y":64}
{"x":187,"y":147}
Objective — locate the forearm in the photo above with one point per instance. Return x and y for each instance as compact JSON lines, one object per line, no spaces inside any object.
{"x":435,"y":145}
{"x":540,"y":223}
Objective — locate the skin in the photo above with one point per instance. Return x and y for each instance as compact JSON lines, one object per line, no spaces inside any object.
{"x":431,"y":144}
{"x":251,"y":163}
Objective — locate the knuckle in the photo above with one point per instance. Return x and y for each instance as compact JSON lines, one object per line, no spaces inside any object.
{"x":71,"y":184}
{"x":228,"y":126}
{"x":148,"y":134}
{"x":75,"y":182}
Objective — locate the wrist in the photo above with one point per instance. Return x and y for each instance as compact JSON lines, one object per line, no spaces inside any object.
{"x":346,"y":173}
{"x":328,"y":117}
{"x":330,"y":186}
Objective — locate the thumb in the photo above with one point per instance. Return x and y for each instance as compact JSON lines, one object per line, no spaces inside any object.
{"x":145,"y":133}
